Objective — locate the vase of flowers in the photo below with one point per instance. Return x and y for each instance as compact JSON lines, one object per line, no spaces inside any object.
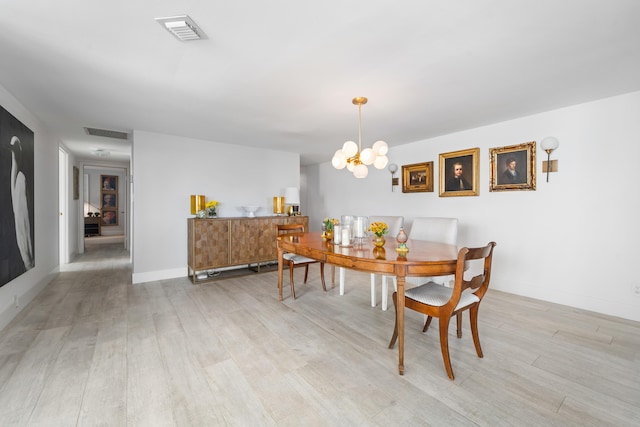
{"x":379,"y":229}
{"x":210,"y":207}
{"x":209,"y":210}
{"x":327,"y":227}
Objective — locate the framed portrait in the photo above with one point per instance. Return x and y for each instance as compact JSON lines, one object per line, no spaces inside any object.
{"x":417,"y":177}
{"x":109,"y":218}
{"x":513,"y":167}
{"x":76,"y":183}
{"x":459,"y":173}
{"x":109,"y":201}
{"x":108,"y":182}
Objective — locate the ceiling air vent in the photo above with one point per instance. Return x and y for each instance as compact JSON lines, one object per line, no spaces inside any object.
{"x":182,"y":27}
{"x":107,"y":133}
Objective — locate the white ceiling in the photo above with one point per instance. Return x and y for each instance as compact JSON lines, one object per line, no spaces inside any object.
{"x":281,"y":74}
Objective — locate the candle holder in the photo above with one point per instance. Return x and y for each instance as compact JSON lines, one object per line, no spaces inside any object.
{"x":402,"y":238}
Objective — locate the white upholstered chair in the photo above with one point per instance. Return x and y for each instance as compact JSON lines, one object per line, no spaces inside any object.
{"x":434,"y":229}
{"x":394,"y":223}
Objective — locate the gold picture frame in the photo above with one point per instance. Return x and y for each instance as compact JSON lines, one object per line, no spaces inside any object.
{"x":513,"y":167}
{"x":460,"y":173}
{"x":417,"y":177}
{"x":76,"y":183}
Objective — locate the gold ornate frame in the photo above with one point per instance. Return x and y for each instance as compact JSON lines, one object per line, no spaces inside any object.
{"x":470,"y":160}
{"x":525,"y":157}
{"x":112,"y":188}
{"x":417,"y":177}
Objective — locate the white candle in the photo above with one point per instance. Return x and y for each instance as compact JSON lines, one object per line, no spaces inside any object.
{"x":358,"y":227}
{"x":346,"y":239}
{"x":337,"y":234}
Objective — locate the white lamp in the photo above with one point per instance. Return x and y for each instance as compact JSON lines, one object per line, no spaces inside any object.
{"x":292,"y":198}
{"x":549,"y":144}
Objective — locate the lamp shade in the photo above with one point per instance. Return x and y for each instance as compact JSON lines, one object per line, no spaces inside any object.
{"x":549,"y":143}
{"x":292,"y":196}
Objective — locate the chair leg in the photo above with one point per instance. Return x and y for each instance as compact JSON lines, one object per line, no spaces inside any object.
{"x":293,"y":290}
{"x":333,"y":276}
{"x":427,"y":323}
{"x":324,"y":288}
{"x":373,"y":290}
{"x":444,"y":345}
{"x":459,"y":324}
{"x":473,"y":318}
{"x":394,"y":337}
{"x":306,"y":272}
{"x":385,"y":293}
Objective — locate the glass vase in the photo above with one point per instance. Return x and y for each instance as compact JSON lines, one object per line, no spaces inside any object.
{"x":378,"y":241}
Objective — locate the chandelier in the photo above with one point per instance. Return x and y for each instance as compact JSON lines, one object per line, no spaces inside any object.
{"x":354,"y":157}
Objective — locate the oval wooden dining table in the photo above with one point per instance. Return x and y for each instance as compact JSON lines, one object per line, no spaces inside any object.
{"x":423,"y":259}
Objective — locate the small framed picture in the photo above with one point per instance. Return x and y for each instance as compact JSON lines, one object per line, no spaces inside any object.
{"x":109,"y":201}
{"x":459,"y":173}
{"x":109,"y":218}
{"x":513,"y":167}
{"x":76,"y":183}
{"x":109,"y":182}
{"x":417,"y":177}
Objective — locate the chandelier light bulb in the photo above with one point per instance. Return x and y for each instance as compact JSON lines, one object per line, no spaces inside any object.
{"x":339,"y":160}
{"x":381,"y":162}
{"x":367,"y":156}
{"x":381,"y":148}
{"x":361,"y":171}
{"x":350,"y":149}
{"x":351,"y":166}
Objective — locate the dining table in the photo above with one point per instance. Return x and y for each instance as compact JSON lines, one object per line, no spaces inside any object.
{"x":424,"y":258}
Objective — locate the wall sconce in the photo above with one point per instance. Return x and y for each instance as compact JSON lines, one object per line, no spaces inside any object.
{"x":197,"y":203}
{"x":549,"y":144}
{"x":292,"y":198}
{"x":393,"y":168}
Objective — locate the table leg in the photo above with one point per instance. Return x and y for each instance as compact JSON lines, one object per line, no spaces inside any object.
{"x":280,"y":252}
{"x":400,"y":320}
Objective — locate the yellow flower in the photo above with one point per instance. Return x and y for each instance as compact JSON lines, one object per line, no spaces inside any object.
{"x":379,"y":228}
{"x":211,"y":204}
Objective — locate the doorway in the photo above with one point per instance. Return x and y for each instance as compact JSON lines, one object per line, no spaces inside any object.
{"x":63,"y":203}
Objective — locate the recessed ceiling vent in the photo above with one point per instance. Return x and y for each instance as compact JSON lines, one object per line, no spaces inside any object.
{"x":107,"y":133}
{"x":182,"y":27}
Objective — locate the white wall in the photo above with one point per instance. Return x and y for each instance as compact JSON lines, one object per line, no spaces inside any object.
{"x":27,"y":286}
{"x":568,"y":242}
{"x":168,"y":169}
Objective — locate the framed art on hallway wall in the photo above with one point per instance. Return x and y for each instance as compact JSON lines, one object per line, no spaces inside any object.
{"x":109,"y":200}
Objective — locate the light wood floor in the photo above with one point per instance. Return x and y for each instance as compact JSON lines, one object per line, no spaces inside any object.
{"x":94,"y":350}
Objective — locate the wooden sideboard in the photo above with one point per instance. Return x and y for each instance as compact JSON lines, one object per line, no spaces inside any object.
{"x":214,"y":243}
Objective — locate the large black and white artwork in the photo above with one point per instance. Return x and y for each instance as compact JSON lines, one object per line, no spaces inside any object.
{"x":16,"y":198}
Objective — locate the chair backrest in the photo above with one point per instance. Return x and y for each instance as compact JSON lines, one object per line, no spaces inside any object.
{"x":289,"y":228}
{"x":479,"y":283}
{"x":433,"y":229}
{"x":393,"y":222}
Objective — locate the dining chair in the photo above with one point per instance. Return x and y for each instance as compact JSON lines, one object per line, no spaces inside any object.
{"x":394,"y":223}
{"x":294,"y":260}
{"x":434,"y":229}
{"x":438,"y":301}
